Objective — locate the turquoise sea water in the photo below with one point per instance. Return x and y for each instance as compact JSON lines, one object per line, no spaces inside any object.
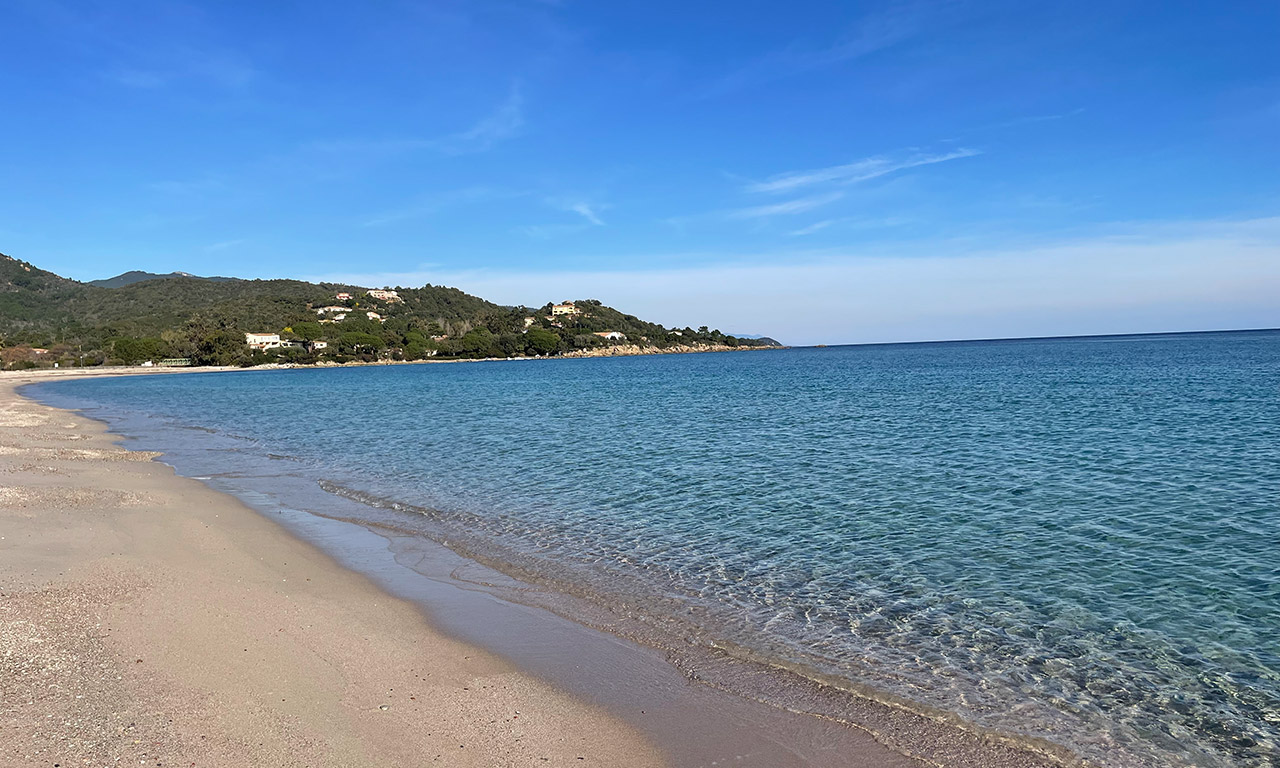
{"x":1076,"y":539}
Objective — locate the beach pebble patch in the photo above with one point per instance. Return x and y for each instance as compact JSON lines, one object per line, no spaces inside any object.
{"x":35,"y":498}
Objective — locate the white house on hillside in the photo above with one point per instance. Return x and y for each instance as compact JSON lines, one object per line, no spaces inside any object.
{"x":262,"y":340}
{"x":390,"y":296}
{"x":610,"y":335}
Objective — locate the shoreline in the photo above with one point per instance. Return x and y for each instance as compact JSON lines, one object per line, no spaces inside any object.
{"x":882,"y":733}
{"x":618,"y":350}
{"x":149,"y":618}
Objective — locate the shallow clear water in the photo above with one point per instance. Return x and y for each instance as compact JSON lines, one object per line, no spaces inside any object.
{"x":1077,"y":539}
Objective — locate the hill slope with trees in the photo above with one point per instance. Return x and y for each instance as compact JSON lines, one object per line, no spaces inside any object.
{"x":46,"y":318}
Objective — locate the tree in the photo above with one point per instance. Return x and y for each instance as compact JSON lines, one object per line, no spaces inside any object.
{"x":476,"y":343}
{"x":177,"y":343}
{"x":220,"y":347}
{"x":358,"y":323}
{"x":587,"y":341}
{"x":358,"y":341}
{"x":308,"y":331}
{"x":540,"y":341}
{"x":132,"y":351}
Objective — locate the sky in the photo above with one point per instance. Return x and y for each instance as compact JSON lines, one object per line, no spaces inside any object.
{"x":819,"y":172}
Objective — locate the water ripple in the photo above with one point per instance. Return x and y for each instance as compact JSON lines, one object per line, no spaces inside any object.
{"x":1072,"y":539}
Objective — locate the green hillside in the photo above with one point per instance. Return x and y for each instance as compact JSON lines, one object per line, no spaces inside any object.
{"x":46,"y":318}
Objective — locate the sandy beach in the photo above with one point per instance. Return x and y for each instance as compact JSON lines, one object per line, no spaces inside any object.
{"x":146,"y":619}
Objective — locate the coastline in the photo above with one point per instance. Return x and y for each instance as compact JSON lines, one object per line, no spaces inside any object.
{"x":146,"y":617}
{"x":617,"y":350}
{"x":880,"y":734}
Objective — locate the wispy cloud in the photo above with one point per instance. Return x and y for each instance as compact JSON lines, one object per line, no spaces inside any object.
{"x":587,"y":212}
{"x":799,"y":205}
{"x":586,"y":209}
{"x":226,"y":75}
{"x":182,"y":187}
{"x":820,"y":187}
{"x":874,"y":32}
{"x":368,"y":146}
{"x":1032,"y":119}
{"x":400,"y":214}
{"x":852,"y":173}
{"x":215,"y":247}
{"x":848,"y":222}
{"x":138,"y":78}
{"x":151,"y":67}
{"x":548,"y":231}
{"x":817,"y":226}
{"x":503,"y":123}
{"x":178,"y":45}
{"x":428,"y":205}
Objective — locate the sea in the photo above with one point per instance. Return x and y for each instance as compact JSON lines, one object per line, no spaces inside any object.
{"x":1075,"y":540}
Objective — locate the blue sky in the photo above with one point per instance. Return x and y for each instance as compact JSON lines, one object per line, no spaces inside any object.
{"x":821,"y":172}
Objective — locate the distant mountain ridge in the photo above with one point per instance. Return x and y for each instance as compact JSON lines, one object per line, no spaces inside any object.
{"x":136,"y":276}
{"x":46,"y":318}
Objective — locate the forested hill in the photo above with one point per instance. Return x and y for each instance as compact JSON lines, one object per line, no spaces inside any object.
{"x":46,"y":318}
{"x":129,"y":278}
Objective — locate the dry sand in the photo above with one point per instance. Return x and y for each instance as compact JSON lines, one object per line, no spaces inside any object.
{"x":148,"y":620}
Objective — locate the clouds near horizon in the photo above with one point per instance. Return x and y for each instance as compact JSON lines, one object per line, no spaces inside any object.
{"x":1143,"y":278}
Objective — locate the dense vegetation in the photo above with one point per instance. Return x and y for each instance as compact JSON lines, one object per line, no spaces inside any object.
{"x":45,"y":318}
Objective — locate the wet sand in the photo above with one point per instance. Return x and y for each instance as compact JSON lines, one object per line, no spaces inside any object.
{"x":148,"y":617}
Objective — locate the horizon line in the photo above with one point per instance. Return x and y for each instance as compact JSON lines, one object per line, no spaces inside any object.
{"x":1032,"y":338}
